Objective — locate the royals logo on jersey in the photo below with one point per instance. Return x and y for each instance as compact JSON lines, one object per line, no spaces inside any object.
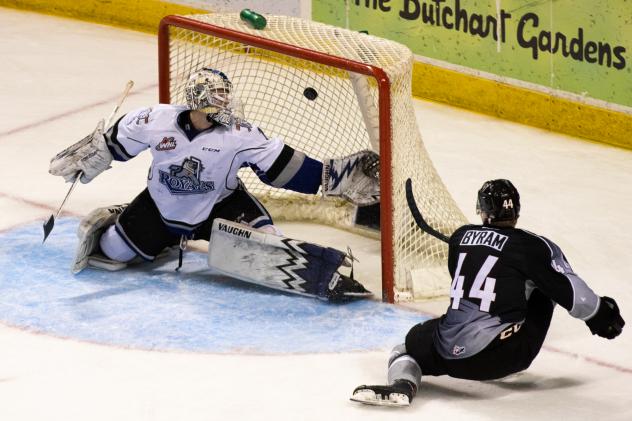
{"x":185,"y":178}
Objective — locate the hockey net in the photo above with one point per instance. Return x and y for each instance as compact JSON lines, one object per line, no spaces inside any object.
{"x":363,"y":86}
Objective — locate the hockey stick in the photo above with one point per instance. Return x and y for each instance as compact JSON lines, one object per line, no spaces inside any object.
{"x":419,"y":219}
{"x":50,"y":223}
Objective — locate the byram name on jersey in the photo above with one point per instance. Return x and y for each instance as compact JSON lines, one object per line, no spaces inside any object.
{"x":484,"y":238}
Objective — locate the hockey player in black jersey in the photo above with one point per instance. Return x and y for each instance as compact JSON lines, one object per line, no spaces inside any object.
{"x":193,"y":191}
{"x":505,"y":283}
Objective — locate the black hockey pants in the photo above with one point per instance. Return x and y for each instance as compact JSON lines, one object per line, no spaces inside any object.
{"x":500,"y":358}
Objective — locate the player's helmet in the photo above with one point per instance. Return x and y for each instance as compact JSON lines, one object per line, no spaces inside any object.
{"x":499,"y":200}
{"x":208,"y":90}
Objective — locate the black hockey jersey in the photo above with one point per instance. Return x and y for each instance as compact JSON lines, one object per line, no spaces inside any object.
{"x":493,"y":273}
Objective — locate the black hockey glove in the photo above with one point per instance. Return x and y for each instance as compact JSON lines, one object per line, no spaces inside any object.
{"x":608,"y":322}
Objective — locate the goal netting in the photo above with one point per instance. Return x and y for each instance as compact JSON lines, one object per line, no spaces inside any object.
{"x":363,"y":101}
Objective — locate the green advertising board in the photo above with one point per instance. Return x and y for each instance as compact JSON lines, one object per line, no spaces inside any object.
{"x":581,"y":47}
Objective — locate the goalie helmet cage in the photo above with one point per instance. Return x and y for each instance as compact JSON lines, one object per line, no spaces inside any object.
{"x":362,"y":101}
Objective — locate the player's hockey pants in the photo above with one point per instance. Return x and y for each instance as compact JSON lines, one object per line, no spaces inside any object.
{"x":500,"y":358}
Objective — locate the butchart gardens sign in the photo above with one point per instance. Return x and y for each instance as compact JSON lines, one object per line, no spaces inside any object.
{"x":528,"y":34}
{"x":578,"y":46}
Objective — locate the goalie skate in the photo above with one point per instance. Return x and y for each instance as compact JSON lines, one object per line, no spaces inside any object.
{"x":99,"y":261}
{"x":397,"y":394}
{"x":343,"y":288}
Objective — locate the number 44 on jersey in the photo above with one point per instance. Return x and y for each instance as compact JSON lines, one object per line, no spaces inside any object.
{"x":482,"y":288}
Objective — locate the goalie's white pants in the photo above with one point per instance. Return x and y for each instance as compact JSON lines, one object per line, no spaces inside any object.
{"x":114,"y":247}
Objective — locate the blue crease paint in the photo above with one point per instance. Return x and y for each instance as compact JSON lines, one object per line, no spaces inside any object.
{"x":151,"y":306}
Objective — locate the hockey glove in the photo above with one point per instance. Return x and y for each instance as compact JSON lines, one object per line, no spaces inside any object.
{"x":607,"y":322}
{"x":354,"y":177}
{"x":90,"y":155}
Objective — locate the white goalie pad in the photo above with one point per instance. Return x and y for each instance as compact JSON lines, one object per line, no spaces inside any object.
{"x":280,"y":263}
{"x":89,"y":232}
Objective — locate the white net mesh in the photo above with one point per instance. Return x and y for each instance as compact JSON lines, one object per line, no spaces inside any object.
{"x":342,"y":119}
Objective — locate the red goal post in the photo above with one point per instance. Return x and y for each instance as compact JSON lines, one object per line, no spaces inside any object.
{"x":187,"y":43}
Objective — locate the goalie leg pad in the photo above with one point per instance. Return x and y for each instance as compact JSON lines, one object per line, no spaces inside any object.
{"x":90,"y":230}
{"x":280,"y":263}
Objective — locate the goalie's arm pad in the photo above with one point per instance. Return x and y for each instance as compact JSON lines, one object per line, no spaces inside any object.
{"x":276,"y":163}
{"x":127,"y":137}
{"x":118,"y":151}
{"x":293,"y":170}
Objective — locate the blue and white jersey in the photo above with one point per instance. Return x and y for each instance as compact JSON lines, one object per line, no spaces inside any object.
{"x":188,"y":177}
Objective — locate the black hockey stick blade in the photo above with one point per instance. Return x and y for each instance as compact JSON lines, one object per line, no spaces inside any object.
{"x":48,"y":227}
{"x":419,"y":219}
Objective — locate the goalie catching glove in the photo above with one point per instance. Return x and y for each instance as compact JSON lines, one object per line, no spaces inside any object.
{"x":90,"y":156}
{"x":354,"y":177}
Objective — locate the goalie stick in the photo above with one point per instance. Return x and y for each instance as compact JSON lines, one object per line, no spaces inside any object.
{"x":50,"y":223}
{"x":419,"y":219}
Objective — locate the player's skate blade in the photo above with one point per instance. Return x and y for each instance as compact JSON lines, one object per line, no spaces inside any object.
{"x":391,"y":395}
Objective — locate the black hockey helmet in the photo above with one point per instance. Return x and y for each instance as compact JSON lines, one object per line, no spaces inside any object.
{"x":500,"y":200}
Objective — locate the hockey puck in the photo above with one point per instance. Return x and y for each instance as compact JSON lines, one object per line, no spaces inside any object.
{"x":310,"y":93}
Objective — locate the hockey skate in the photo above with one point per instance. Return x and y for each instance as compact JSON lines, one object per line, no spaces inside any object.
{"x":343,"y":288}
{"x":400,"y":393}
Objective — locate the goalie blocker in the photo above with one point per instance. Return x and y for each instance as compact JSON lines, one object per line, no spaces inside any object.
{"x":281,"y":263}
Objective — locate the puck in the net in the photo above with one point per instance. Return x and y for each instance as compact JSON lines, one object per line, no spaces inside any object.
{"x":310,"y":93}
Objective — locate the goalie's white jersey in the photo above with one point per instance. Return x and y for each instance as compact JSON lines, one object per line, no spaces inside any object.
{"x":188,"y":177}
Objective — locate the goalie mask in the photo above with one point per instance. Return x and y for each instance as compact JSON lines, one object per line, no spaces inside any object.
{"x":499,"y":200}
{"x":210,"y":91}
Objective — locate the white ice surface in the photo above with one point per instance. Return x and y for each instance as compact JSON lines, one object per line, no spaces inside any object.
{"x":58,"y":77}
